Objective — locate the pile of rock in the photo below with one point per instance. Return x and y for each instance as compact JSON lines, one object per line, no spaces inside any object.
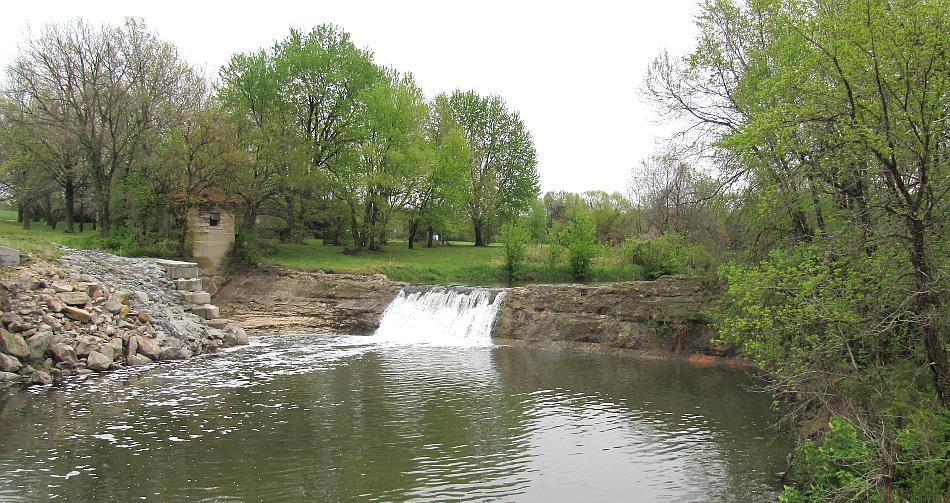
{"x":96,"y":312}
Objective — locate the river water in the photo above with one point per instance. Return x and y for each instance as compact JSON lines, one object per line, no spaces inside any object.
{"x":327,"y":418}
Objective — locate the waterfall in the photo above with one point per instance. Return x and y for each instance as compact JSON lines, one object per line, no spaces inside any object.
{"x":441,"y":315}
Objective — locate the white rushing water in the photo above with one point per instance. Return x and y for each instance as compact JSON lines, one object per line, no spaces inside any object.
{"x":444,"y":316}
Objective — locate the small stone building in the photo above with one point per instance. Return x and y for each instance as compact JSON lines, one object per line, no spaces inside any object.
{"x":209,"y":237}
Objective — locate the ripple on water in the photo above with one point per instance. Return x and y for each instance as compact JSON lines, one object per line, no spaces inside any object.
{"x":336,"y":418}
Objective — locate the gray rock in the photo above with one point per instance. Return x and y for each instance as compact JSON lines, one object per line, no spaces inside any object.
{"x":77,"y":314}
{"x":38,"y":344}
{"x":20,"y":326}
{"x":55,"y":305}
{"x":74,"y":298}
{"x":61,"y":287}
{"x":13,"y":344}
{"x":115,"y":346}
{"x":139,"y":360}
{"x":147,"y":347}
{"x":234,"y":335}
{"x":41,"y":378}
{"x":113,"y":306}
{"x":98,"y":361}
{"x":141,"y":297}
{"x":86,"y":344}
{"x":8,"y":318}
{"x":175,"y":354}
{"x":8,"y":377}
{"x":9,"y":363}
{"x":64,"y":353}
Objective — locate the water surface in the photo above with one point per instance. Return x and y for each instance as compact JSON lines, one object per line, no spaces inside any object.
{"x":323,"y":418}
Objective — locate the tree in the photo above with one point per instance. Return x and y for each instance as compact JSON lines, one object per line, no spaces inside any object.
{"x":503,"y":171}
{"x":106,"y":89}
{"x":393,"y":159}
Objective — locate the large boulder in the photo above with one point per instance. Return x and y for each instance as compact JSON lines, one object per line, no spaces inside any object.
{"x":9,"y":363}
{"x":147,"y":347}
{"x":9,"y":377}
{"x":13,"y":344}
{"x":74,"y":298}
{"x":138,"y":360}
{"x":86,"y":345}
{"x":39,"y":343}
{"x":64,"y":353}
{"x":98,"y":361}
{"x":234,"y":335}
{"x":41,"y":378}
{"x":175,"y":353}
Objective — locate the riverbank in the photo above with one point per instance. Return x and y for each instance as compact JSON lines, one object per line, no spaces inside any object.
{"x":92,"y":312}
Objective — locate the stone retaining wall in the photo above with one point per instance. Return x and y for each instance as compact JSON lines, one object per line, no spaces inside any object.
{"x":653,"y":317}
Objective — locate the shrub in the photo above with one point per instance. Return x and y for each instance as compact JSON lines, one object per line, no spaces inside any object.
{"x":515,"y":237}
{"x":667,"y":254}
{"x":580,"y":239}
{"x":250,"y":249}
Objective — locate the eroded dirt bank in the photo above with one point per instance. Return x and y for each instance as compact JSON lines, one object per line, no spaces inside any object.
{"x":273,"y":300}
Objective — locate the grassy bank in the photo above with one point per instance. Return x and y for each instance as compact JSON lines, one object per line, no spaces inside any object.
{"x":40,"y":238}
{"x":458,"y":263}
{"x":461,"y":263}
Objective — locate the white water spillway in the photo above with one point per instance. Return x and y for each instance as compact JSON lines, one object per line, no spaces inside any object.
{"x":441,"y":315}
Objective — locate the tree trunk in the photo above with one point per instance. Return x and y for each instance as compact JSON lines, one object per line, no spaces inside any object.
{"x":478,"y":235}
{"x":27,"y":217}
{"x":928,"y":312}
{"x":429,"y":239}
{"x":69,"y":192}
{"x":19,"y":213}
{"x":51,"y":219}
{"x":413,"y":227}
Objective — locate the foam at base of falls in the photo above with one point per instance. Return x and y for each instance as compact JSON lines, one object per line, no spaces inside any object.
{"x":444,"y":316}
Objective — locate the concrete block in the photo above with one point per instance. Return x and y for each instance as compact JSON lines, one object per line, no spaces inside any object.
{"x":9,"y":257}
{"x":188,"y":285}
{"x":218,"y":323}
{"x":196,"y":297}
{"x":206,"y":311}
{"x":182,"y":272}
{"x":174,"y":263}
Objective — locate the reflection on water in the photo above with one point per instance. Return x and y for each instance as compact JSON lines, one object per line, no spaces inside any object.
{"x":308,"y":418}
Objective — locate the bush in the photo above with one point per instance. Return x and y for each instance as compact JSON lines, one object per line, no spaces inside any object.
{"x":515,"y":237}
{"x":580,"y":239}
{"x":668,"y":254}
{"x":249,"y":249}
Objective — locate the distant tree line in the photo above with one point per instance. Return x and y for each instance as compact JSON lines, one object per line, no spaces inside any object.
{"x":105,"y":124}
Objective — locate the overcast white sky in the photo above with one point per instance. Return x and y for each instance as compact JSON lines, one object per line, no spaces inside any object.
{"x":573,"y":69}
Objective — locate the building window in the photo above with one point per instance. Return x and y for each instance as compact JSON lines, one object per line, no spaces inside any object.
{"x":215,"y":219}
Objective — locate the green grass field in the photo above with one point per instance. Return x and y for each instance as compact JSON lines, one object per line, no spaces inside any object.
{"x":39,"y":239}
{"x":459,"y":263}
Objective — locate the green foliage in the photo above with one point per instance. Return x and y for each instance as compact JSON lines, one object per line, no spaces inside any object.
{"x":834,"y":468}
{"x":667,"y":254}
{"x":502,"y":173}
{"x":514,"y":236}
{"x":579,"y":237}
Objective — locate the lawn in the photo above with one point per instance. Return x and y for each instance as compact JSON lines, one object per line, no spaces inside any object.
{"x":38,"y":240}
{"x":457,"y":263}
{"x":460,"y":263}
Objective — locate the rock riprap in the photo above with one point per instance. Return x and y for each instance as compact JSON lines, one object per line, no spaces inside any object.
{"x":97,"y":312}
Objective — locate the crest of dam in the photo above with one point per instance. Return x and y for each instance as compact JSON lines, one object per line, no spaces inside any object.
{"x":441,"y":315}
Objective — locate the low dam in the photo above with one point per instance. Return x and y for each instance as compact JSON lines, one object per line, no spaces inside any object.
{"x":661,"y":317}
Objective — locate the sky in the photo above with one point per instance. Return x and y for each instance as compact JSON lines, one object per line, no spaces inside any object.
{"x":573,"y":70}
